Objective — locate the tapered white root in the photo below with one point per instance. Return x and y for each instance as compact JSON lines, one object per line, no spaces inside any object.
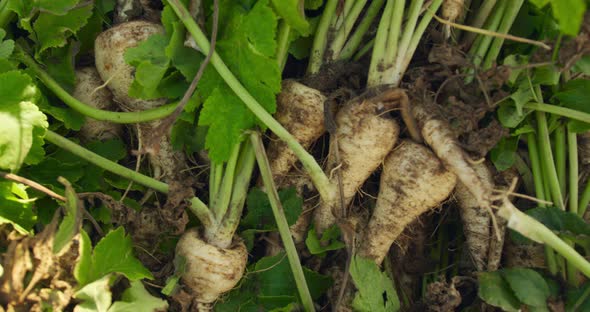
{"x":89,"y":90}
{"x":451,"y":11}
{"x":412,"y":182}
{"x":210,"y":271}
{"x":109,"y":51}
{"x":300,"y":109}
{"x":364,"y":136}
{"x":110,"y":48}
{"x":476,"y":220}
{"x":438,"y":135}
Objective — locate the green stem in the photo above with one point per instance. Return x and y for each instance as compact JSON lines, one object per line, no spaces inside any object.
{"x":239,"y":192}
{"x":507,"y":21}
{"x":283,"y":44}
{"x":344,"y":30}
{"x":536,"y":167}
{"x":223,"y":234}
{"x":584,"y":200}
{"x":281,"y":220}
{"x":558,"y":110}
{"x":403,"y":63}
{"x":560,"y":157}
{"x":525,"y":172}
{"x":479,"y":20}
{"x":198,"y":206}
{"x":393,"y":45}
{"x":355,"y":40}
{"x":547,"y":160}
{"x":86,"y":110}
{"x":105,"y":163}
{"x":321,"y":37}
{"x":408,"y":32}
{"x":320,"y":180}
{"x":536,"y":231}
{"x":478,"y":50}
{"x":377,"y":58}
{"x":572,"y":145}
{"x":221,"y":201}
{"x":364,"y":50}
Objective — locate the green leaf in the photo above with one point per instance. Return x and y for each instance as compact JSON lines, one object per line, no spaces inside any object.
{"x":136,"y":298}
{"x":84,"y":264}
{"x":72,"y":221}
{"x":53,"y":30}
{"x":546,"y":75}
{"x":57,"y":7}
{"x":328,"y":241}
{"x":114,"y":254}
{"x":151,"y":63}
{"x":260,"y":214}
{"x":528,"y":286}
{"x":59,"y":64}
{"x":22,"y":125}
{"x":508,"y":114}
{"x":578,"y":299}
{"x":6,"y":46}
{"x":96,"y":296}
{"x":270,"y":286}
{"x":247,"y":45}
{"x":574,"y":95}
{"x":313,"y":4}
{"x":503,"y":154}
{"x":71,"y":119}
{"x":292,"y":12}
{"x":17,"y":208}
{"x":494,"y":290}
{"x":376,"y":291}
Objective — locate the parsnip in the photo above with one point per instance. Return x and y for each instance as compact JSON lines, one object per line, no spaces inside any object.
{"x":300,"y":109}
{"x":476,"y":220}
{"x":89,"y":90}
{"x":210,"y":271}
{"x":439,"y":136}
{"x":364,"y":136}
{"x":412,"y":182}
{"x":110,"y":48}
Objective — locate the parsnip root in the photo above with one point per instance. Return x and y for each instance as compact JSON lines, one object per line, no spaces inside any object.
{"x":412,"y":182}
{"x":89,"y":90}
{"x":210,"y":271}
{"x":364,"y":136}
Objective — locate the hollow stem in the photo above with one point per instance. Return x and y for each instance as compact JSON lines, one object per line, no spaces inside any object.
{"x":559,"y":144}
{"x":345,"y":29}
{"x":572,"y":146}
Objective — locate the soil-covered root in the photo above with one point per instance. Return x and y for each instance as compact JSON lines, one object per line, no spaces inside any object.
{"x":452,"y":10}
{"x":363,"y":137}
{"x":438,"y":135}
{"x":109,"y":53}
{"x":89,"y":90}
{"x":110,"y":48}
{"x":476,"y":220}
{"x":300,"y":109}
{"x":209,"y":270}
{"x":412,"y":182}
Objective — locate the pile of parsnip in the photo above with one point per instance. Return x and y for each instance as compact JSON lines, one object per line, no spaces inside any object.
{"x":378,"y":131}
